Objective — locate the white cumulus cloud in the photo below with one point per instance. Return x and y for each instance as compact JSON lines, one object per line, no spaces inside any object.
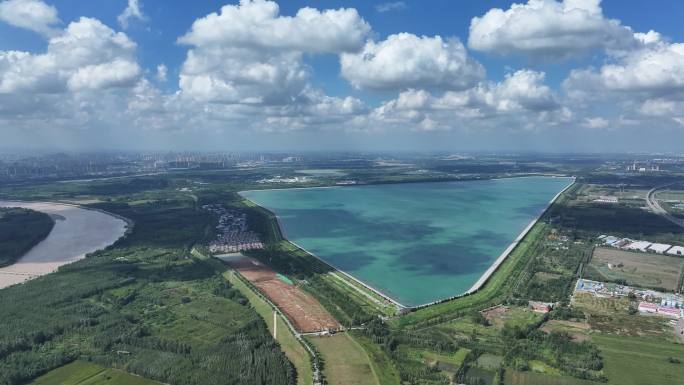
{"x":648,"y":80}
{"x":87,"y":55}
{"x":657,"y":69}
{"x":521,"y":97}
{"x":33,"y":15}
{"x":250,"y":54}
{"x":405,"y":60}
{"x":548,"y":29}
{"x":257,"y":24}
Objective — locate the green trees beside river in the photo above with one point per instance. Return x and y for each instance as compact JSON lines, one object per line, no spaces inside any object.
{"x":20,"y":230}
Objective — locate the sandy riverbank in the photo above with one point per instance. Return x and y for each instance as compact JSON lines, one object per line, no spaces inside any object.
{"x":77,"y":232}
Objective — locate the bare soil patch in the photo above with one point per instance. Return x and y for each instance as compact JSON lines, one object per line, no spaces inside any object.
{"x":303,"y":310}
{"x":578,"y":330}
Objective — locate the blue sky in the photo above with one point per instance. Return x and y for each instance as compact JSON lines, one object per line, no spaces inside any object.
{"x":418,"y":76}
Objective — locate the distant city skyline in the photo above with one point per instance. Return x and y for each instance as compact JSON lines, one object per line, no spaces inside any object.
{"x":256,"y":75}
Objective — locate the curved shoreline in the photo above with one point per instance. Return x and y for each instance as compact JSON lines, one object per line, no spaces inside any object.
{"x":284,"y":235}
{"x":81,"y":231}
{"x":488,"y":273}
{"x":484,"y":278}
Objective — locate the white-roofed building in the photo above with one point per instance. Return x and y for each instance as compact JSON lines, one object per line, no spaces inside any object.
{"x":639,"y":245}
{"x":676,"y":250}
{"x":659,"y":248}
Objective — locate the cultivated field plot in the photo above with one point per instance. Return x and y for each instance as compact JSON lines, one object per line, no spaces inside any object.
{"x":578,"y":330}
{"x":639,"y":360}
{"x":513,"y":377}
{"x":303,"y":310}
{"x":638,"y":269}
{"x":86,"y":373}
{"x":672,"y":201}
{"x":624,"y":195}
{"x":500,"y":316}
{"x":346,"y":363}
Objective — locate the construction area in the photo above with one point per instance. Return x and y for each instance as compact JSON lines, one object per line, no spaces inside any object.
{"x":304,"y":312}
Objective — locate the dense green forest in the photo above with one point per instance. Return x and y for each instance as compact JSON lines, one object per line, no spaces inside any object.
{"x":144,"y":305}
{"x":20,"y":230}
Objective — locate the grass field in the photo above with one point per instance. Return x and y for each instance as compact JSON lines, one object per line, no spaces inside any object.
{"x":595,"y":191}
{"x":292,"y":348}
{"x":640,"y":361}
{"x":361,"y":294}
{"x":448,"y":364}
{"x":670,"y":195}
{"x":456,"y":359}
{"x":346,"y":363}
{"x":514,"y":316}
{"x":489,"y":361}
{"x":578,"y":330}
{"x":513,"y":377}
{"x":638,"y":269}
{"x":381,"y":363}
{"x":86,"y":373}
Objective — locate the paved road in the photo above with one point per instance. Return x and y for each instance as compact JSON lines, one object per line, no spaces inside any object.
{"x":653,"y":204}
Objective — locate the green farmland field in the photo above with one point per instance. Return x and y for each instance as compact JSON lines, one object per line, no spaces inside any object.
{"x":640,"y":361}
{"x":346,"y":363}
{"x":512,"y":377}
{"x":86,"y":373}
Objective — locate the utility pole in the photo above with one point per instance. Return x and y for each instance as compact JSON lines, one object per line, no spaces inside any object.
{"x":275,"y":325}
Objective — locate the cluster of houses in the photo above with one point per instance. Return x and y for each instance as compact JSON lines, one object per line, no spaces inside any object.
{"x":607,"y":199}
{"x":279,"y":179}
{"x":233,"y":233}
{"x":650,"y":301}
{"x":645,"y":246}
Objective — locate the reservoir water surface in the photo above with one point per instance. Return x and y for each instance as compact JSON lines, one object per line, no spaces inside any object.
{"x":415,"y":242}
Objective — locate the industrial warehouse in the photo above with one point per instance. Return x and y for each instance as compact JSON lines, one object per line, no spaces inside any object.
{"x":644,"y":246}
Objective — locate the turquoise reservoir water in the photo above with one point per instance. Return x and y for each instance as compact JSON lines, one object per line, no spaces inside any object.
{"x":415,"y":242}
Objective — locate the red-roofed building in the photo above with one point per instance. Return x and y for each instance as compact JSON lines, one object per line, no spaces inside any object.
{"x":648,"y":307}
{"x":541,"y":307}
{"x":670,"y":311}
